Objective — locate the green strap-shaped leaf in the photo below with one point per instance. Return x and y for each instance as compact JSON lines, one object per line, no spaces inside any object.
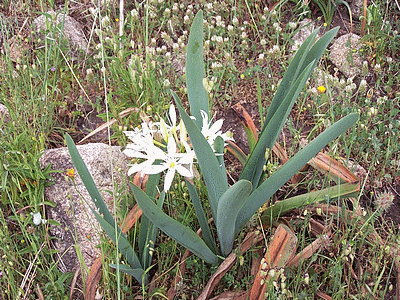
{"x":136,"y":273}
{"x":219,"y":144}
{"x":253,"y":169}
{"x":151,"y":236}
{"x":228,"y":208}
{"x":304,"y":56}
{"x":213,"y":173}
{"x":290,"y":76}
{"x":284,"y":173}
{"x":201,"y":217}
{"x":145,"y":225}
{"x":180,"y":233}
{"x":328,"y":194}
{"x":88,"y":181}
{"x":123,"y":245}
{"x":195,"y":70}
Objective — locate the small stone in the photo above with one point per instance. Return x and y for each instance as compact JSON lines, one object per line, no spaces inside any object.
{"x":344,"y":54}
{"x":71,"y":30}
{"x":4,"y":114}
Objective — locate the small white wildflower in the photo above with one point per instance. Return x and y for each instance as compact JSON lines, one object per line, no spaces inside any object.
{"x":277,"y":27}
{"x":166,"y":83}
{"x":219,"y":39}
{"x":230,"y":27}
{"x":103,"y":70}
{"x":372,"y":112}
{"x":37,"y":219}
{"x":292,"y":25}
{"x":209,"y":6}
{"x":226,"y":39}
{"x":134,"y":14}
{"x":105,"y":21}
{"x":377,"y":68}
{"x":175,"y":7}
{"x":186,"y":19}
{"x":235,"y":21}
{"x":167,"y":12}
{"x":263,"y":42}
{"x":244,"y":35}
{"x":261,"y":56}
{"x":216,"y":65}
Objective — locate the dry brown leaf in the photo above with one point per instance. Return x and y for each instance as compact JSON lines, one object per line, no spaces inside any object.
{"x":239,"y":295}
{"x":327,"y":165}
{"x":251,"y":239}
{"x":131,"y":219}
{"x":122,"y":114}
{"x":245,"y":119}
{"x":323,"y":296}
{"x":281,"y":248}
{"x":308,"y":251}
{"x":93,"y":279}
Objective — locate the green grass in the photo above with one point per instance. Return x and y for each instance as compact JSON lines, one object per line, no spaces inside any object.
{"x":243,"y":42}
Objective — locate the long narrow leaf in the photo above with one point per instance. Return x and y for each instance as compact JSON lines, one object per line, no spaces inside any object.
{"x":180,"y":233}
{"x":213,"y":173}
{"x":328,"y":194}
{"x":152,"y":232}
{"x":228,"y":208}
{"x":136,"y":273}
{"x":145,"y":224}
{"x":292,"y":72}
{"x":273,"y":183}
{"x":88,"y":181}
{"x":201,"y":217}
{"x":253,"y":169}
{"x":123,"y":245}
{"x":195,"y":70}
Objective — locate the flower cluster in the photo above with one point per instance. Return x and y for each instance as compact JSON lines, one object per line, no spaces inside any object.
{"x":165,"y":147}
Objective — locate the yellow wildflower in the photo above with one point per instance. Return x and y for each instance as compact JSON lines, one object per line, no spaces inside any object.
{"x":321,"y":89}
{"x":71,"y":173}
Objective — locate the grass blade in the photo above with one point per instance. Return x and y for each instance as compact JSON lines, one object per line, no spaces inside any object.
{"x":180,"y":233}
{"x":273,"y":183}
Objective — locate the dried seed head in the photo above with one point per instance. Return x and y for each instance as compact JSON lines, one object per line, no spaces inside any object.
{"x":384,"y":200}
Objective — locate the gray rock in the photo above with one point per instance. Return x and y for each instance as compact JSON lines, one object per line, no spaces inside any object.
{"x":357,"y":7}
{"x":79,"y":228}
{"x":71,"y":29}
{"x":306,"y":27}
{"x":4,"y":114}
{"x":344,"y":54}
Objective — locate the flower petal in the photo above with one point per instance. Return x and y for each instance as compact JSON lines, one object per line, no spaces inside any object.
{"x":168,"y":179}
{"x":183,"y":171}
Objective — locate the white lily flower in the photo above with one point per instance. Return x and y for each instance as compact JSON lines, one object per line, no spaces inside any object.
{"x":173,"y":162}
{"x":167,"y":130}
{"x":150,"y":153}
{"x":211,"y":131}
